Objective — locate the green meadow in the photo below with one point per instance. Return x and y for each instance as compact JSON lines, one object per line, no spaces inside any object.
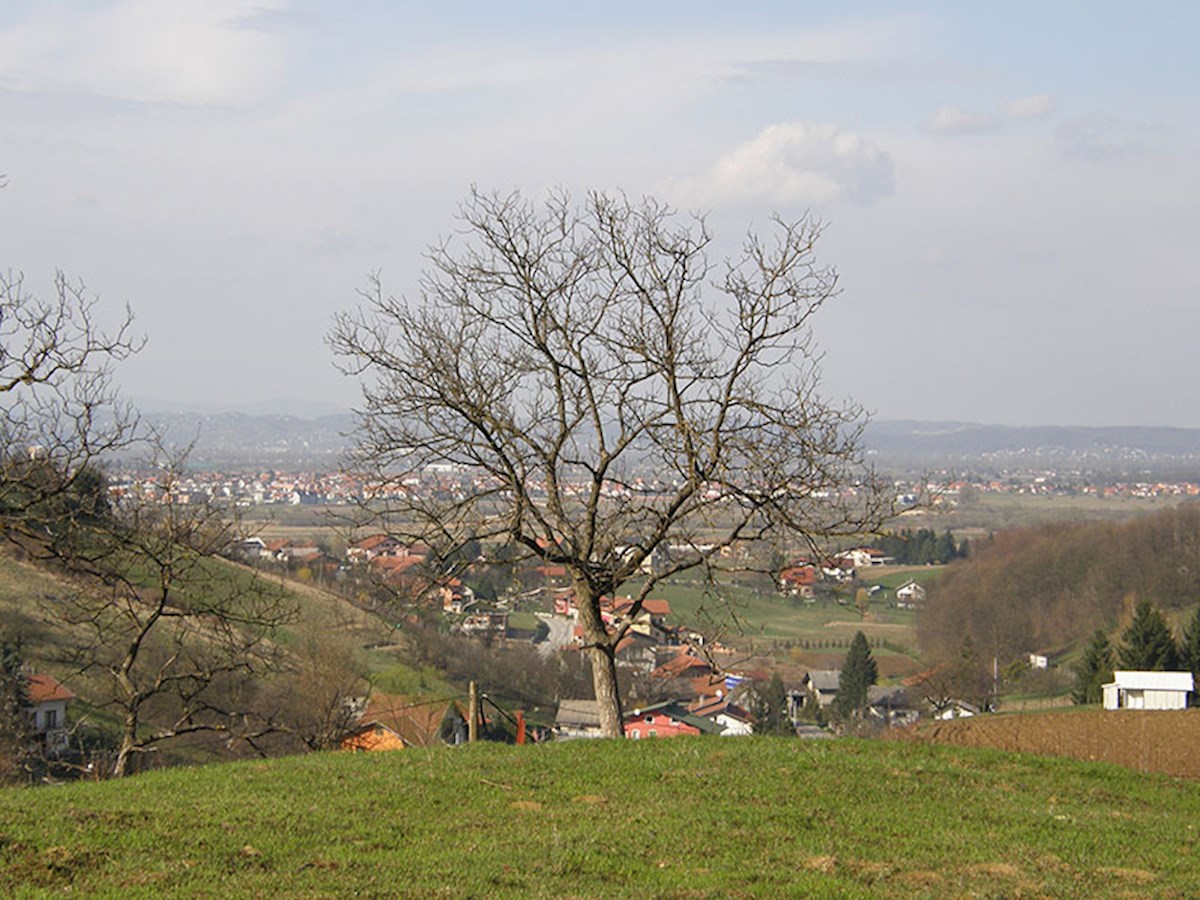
{"x":673,"y":818}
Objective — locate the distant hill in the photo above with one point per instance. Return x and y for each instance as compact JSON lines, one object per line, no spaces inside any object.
{"x":1047,"y":588}
{"x":240,"y":440}
{"x":909,"y":442}
{"x":290,"y":438}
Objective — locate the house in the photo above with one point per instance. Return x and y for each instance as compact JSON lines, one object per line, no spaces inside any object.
{"x":910,"y":595}
{"x":957,"y":709}
{"x":392,"y":721}
{"x":376,"y":545}
{"x":635,"y":651}
{"x":48,"y":700}
{"x":1148,"y":690}
{"x":799,"y":581}
{"x":372,"y":736}
{"x":493,"y":623}
{"x":890,"y":705}
{"x":649,"y":620}
{"x":688,"y":677}
{"x":667,"y":719}
{"x":821,"y":685}
{"x":734,"y":719}
{"x":865,"y":557}
{"x":577,"y":719}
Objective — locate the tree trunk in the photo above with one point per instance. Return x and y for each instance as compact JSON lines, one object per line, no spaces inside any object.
{"x":603,"y":658}
{"x":608,"y":696}
{"x":128,"y":739}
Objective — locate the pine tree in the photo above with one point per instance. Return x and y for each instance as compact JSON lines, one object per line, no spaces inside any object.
{"x":1149,"y":644}
{"x":1094,"y":670}
{"x":944,"y":549}
{"x":1189,"y":652}
{"x":858,"y":674}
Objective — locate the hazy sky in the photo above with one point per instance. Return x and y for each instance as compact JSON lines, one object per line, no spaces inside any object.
{"x":1012,"y":189}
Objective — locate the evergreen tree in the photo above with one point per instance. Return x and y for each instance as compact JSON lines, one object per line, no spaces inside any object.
{"x":17,"y":738}
{"x":1149,"y":644}
{"x":770,"y":708}
{"x":1189,"y":655}
{"x":944,"y":551}
{"x":1094,"y":670}
{"x":858,"y":674}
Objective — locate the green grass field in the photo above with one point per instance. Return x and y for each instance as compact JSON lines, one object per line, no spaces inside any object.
{"x":686,"y":817}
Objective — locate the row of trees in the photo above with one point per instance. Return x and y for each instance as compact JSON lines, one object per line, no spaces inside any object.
{"x":922,"y":547}
{"x":1148,"y":644}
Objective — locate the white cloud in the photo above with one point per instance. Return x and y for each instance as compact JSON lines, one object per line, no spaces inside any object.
{"x":1031,"y":107}
{"x":185,"y":51}
{"x":798,"y":162}
{"x":953,"y":120}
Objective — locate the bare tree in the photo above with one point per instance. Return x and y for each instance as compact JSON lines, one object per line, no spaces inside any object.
{"x":618,"y":404}
{"x":59,"y":412}
{"x":320,"y":696}
{"x":174,"y":635}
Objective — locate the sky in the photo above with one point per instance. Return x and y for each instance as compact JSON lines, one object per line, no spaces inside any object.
{"x":1010,"y":190}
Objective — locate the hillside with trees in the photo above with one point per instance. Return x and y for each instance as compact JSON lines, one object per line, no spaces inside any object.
{"x":1045,"y":588}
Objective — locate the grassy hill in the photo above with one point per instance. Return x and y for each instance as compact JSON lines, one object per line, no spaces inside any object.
{"x":686,"y":817}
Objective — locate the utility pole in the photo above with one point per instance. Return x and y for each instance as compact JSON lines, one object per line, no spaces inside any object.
{"x":472,"y":712}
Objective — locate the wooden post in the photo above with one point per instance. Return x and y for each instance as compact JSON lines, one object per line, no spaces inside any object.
{"x":520,"y":714}
{"x":472,"y":712}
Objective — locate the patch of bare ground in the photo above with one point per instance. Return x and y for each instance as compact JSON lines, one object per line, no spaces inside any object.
{"x":1144,"y":740}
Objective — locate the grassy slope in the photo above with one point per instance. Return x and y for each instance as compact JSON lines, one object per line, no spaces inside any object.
{"x":695,"y":817}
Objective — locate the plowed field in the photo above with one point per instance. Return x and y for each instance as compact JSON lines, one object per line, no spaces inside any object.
{"x":1145,"y":740}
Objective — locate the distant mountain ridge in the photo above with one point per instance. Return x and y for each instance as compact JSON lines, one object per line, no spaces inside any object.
{"x":286,"y":440}
{"x":240,"y":440}
{"x":911,"y":442}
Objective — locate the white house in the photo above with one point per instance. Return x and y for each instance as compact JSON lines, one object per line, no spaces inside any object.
{"x":1148,"y":690}
{"x":48,"y":701}
{"x":910,"y":595}
{"x":865,"y":557}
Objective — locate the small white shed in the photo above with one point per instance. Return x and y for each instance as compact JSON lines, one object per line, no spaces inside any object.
{"x":1148,"y":690}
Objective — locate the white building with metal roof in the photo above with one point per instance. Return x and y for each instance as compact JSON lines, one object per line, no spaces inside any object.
{"x":1148,"y":690}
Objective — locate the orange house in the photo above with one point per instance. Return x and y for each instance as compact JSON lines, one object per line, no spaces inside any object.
{"x":393,"y":722}
{"x":371,"y":736}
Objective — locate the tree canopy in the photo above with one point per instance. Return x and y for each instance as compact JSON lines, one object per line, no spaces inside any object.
{"x":1094,"y":670}
{"x":606,"y":398}
{"x":1148,"y":644}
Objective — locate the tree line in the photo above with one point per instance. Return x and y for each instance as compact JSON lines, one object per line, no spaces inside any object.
{"x":1148,"y":644}
{"x":922,"y":547}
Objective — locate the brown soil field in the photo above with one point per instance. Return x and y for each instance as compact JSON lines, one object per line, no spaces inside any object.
{"x":1144,"y":740}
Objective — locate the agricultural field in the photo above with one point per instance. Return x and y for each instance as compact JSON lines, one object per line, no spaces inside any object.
{"x":684,"y":817}
{"x":1144,"y":740}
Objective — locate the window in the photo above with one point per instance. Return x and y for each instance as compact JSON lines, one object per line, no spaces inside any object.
{"x":652,"y":733}
{"x":50,"y":719}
